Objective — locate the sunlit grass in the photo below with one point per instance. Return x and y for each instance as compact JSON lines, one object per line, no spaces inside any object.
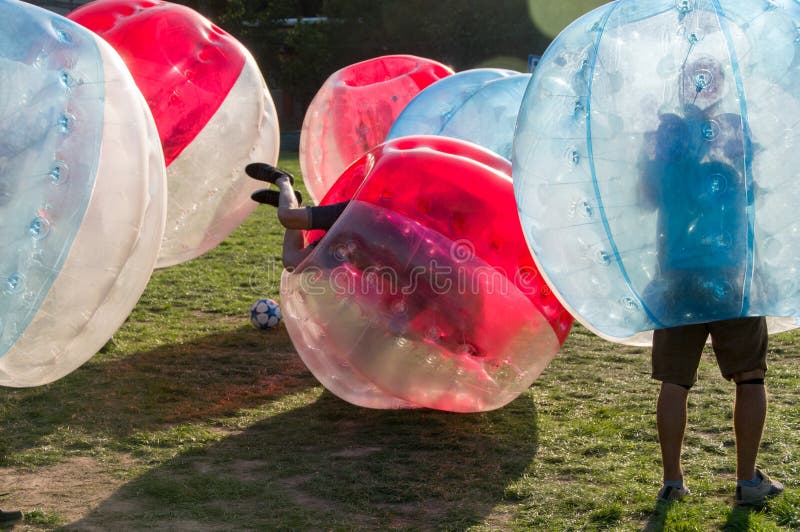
{"x":211,"y":424}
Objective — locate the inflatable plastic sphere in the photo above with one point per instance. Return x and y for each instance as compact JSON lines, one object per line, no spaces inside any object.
{"x":478,"y":105}
{"x":425,"y":294}
{"x":82,"y":194}
{"x":353,"y":111}
{"x":655,"y":160}
{"x":213,"y":111}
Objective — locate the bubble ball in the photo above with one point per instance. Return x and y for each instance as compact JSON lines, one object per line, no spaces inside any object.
{"x":265,"y":314}
{"x":353,"y":111}
{"x":478,"y":105}
{"x":425,"y":294}
{"x":213,"y":111}
{"x":82,"y":194}
{"x":654,"y":164}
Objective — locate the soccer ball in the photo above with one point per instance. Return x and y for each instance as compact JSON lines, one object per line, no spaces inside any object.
{"x":265,"y":314}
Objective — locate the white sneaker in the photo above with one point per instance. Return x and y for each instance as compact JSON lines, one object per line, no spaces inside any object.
{"x":671,"y":493}
{"x":747,"y":496}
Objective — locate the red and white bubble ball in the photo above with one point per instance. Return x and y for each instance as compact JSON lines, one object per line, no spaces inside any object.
{"x":353,"y":111}
{"x":424,"y":294}
{"x":211,"y":105}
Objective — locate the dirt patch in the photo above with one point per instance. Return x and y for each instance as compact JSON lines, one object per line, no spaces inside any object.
{"x":356,"y":452}
{"x":69,"y":490}
{"x":292,"y":487}
{"x":247,"y":470}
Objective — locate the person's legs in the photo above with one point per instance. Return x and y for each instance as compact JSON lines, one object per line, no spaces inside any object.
{"x":294,"y":249}
{"x":294,"y":219}
{"x":675,"y":357}
{"x":753,"y":486}
{"x":290,"y":215}
{"x":749,"y":416}
{"x":324,"y":216}
{"x":671,"y":415}
{"x":740,"y":346}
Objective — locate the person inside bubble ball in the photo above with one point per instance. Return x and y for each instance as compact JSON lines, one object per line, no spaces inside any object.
{"x":689,"y":175}
{"x":294,"y":218}
{"x":415,"y":310}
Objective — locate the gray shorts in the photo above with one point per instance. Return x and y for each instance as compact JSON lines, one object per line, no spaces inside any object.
{"x":739,"y":344}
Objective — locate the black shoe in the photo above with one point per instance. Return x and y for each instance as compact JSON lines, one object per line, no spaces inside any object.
{"x":10,"y":517}
{"x":266,"y":172}
{"x":272,"y":197}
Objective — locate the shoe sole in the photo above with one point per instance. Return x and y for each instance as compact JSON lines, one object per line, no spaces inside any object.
{"x":272,"y":197}
{"x":761,"y":501}
{"x":10,"y":517}
{"x":265,"y":172}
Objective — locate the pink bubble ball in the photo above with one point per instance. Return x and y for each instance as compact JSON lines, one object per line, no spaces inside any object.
{"x":353,"y":111}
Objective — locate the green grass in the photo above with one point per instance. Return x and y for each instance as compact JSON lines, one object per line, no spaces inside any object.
{"x":205,"y":423}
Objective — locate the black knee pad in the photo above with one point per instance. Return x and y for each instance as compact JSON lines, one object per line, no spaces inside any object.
{"x":751,"y":381}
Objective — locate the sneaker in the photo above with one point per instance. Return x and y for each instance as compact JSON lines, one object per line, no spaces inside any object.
{"x":671,"y":493}
{"x":266,"y":172}
{"x":272,"y":197}
{"x":10,"y":517}
{"x":747,"y":496}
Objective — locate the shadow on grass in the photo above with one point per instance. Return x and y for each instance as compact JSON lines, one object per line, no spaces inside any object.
{"x":330,"y":465}
{"x":658,"y":516}
{"x":739,"y":518}
{"x":112,"y":397}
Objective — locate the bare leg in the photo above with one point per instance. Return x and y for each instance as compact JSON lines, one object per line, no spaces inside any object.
{"x":671,"y":414}
{"x":749,"y":416}
{"x":290,"y":214}
{"x":294,"y":250}
{"x":294,"y":219}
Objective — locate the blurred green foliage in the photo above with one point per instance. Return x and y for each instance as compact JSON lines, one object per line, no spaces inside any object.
{"x":298,"y":43}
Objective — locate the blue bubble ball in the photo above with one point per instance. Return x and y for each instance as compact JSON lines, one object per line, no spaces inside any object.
{"x":655,"y":163}
{"x":478,"y":105}
{"x":82,"y":194}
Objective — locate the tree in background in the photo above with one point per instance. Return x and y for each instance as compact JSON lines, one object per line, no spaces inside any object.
{"x":288,"y":38}
{"x":461,"y":33}
{"x":299,"y":43}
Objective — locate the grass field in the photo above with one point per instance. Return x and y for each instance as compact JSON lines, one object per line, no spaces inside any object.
{"x":190,"y":419}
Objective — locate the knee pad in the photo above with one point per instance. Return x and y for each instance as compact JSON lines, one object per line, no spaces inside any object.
{"x":750,"y":381}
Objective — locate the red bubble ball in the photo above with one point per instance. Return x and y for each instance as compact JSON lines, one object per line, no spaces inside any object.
{"x":212,"y":108}
{"x":354,"y":110}
{"x":424,"y":292}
